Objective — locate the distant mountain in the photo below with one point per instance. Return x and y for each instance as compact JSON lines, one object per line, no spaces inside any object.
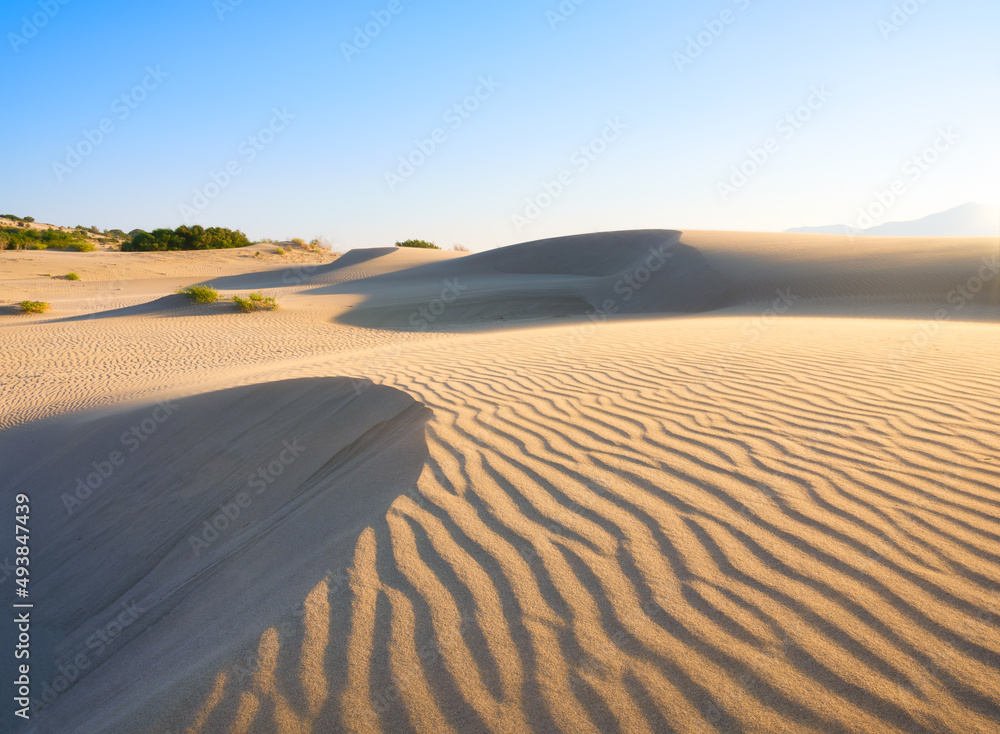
{"x":967,"y":220}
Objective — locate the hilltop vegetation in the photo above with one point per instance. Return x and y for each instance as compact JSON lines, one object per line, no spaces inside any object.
{"x":185,"y":238}
{"x":23,"y":233}
{"x":14,"y":238}
{"x":423,"y":244}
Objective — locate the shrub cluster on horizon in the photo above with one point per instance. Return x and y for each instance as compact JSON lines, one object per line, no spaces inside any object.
{"x":34,"y":306}
{"x":255,"y":302}
{"x":13,"y":238}
{"x":18,"y":219}
{"x":185,"y":238}
{"x":418,"y":243}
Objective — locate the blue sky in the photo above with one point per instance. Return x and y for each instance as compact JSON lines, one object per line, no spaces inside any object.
{"x":312,"y":131}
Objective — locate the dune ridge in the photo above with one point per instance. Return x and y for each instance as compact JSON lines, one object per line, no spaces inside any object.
{"x":663,"y":271}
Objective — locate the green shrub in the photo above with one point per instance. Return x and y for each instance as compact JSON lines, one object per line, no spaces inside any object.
{"x":72,"y":276}
{"x":418,"y":243}
{"x":185,"y":238}
{"x":83,"y":246}
{"x":34,"y":306}
{"x":255,"y":302}
{"x":13,"y":238}
{"x":200,"y":293}
{"x":299,"y":241}
{"x":279,"y":251}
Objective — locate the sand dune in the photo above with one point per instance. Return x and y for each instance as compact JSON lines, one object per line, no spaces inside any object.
{"x":689,"y":516}
{"x":658,"y":271}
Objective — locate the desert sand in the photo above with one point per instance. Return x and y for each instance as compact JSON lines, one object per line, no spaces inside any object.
{"x":648,"y":481}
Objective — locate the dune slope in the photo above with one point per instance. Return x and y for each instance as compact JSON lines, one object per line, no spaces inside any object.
{"x":661,"y":271}
{"x":159,"y":557}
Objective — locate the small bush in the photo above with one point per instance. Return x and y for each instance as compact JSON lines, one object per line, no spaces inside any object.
{"x":255,"y":302}
{"x":83,"y":246}
{"x":459,"y":248}
{"x":418,"y":243}
{"x":299,"y":241}
{"x":72,"y":276}
{"x":279,"y":250}
{"x":200,"y":293}
{"x":34,"y":306}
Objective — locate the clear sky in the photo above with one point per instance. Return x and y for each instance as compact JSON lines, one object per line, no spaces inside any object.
{"x":311,"y":114}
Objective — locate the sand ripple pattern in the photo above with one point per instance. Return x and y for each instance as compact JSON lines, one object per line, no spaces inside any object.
{"x":801,"y":540}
